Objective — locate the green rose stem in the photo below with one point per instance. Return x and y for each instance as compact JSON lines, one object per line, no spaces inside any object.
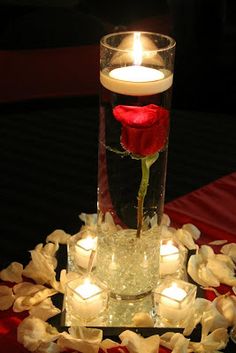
{"x":146,"y":163}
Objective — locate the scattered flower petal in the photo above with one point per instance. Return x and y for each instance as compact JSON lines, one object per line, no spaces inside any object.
{"x":195,"y":315}
{"x":91,"y":335}
{"x":108,"y":343}
{"x":26,"y":302}
{"x":13,"y":273}
{"x":32,"y":332}
{"x":58,"y":236}
{"x":230,"y":250}
{"x":44,"y":310}
{"x":216,"y":340}
{"x":211,"y":320}
{"x":26,"y":288}
{"x":193,"y":230}
{"x":197,"y":270}
{"x":40,"y":269}
{"x":186,"y":239}
{"x":226,"y":305}
{"x":175,"y":341}
{"x":138,"y":344}
{"x":66,"y":341}
{"x":209,"y":269}
{"x":6,"y":297}
{"x":218,"y":242}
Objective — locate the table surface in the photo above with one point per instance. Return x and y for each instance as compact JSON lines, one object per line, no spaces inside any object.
{"x":49,"y":176}
{"x":211,"y":208}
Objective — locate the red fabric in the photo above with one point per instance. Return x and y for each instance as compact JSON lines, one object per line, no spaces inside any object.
{"x":42,"y":73}
{"x":8,"y":331}
{"x":211,"y":209}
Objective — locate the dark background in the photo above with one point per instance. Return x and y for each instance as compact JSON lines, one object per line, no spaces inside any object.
{"x":48,"y":147}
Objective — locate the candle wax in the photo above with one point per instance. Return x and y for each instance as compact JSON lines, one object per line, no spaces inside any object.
{"x":136,"y":80}
{"x":88,"y":302}
{"x":175,"y":293}
{"x":87,"y":290}
{"x":171,"y":307}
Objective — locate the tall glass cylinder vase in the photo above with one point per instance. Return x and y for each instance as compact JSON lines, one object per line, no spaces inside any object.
{"x":136,"y":75}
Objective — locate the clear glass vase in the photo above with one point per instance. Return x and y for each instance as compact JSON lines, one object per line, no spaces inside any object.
{"x":136,"y":75}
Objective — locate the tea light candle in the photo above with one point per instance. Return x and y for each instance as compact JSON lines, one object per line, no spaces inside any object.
{"x":83,"y":250}
{"x":169,"y":258}
{"x":171,"y":305}
{"x":89,"y":301}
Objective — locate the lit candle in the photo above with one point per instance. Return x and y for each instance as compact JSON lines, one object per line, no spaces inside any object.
{"x":83,"y":250}
{"x":136,"y":79}
{"x":169,"y":258}
{"x":171,"y":305}
{"x":88,"y":302}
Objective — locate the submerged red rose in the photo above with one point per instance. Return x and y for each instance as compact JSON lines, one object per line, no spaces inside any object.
{"x":144,"y":129}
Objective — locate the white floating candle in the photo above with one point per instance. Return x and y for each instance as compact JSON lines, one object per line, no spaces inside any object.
{"x":136,"y":80}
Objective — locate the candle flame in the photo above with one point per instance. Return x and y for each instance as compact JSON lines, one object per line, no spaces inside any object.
{"x":137,"y":49}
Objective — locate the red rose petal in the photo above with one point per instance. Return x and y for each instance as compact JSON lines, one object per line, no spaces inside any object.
{"x":135,"y":116}
{"x":144,"y":129}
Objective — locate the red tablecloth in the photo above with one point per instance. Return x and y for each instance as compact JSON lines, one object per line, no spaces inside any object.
{"x":211,"y":208}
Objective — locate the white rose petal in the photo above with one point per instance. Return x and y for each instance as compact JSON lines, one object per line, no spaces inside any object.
{"x":175,"y":341}
{"x":26,"y":302}
{"x":44,"y":310}
{"x":215,"y":341}
{"x":230,"y":250}
{"x":58,"y":236}
{"x":67,"y":341}
{"x":13,"y":273}
{"x":6,"y":297}
{"x":186,"y":239}
{"x":218,"y":242}
{"x":40,"y":269}
{"x":193,"y":230}
{"x":89,"y":335}
{"x":32,"y":332}
{"x":108,"y":343}
{"x":26,"y":288}
{"x":138,"y":344}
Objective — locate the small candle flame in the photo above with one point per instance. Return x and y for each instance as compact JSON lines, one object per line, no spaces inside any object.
{"x":137,"y":49}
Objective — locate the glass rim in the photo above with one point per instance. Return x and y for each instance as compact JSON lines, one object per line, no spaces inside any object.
{"x":171,"y":44}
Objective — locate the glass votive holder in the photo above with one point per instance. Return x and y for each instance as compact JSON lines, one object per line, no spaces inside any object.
{"x":82,"y":251}
{"x":86,"y":302}
{"x":173,"y":299}
{"x":172,"y":258}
